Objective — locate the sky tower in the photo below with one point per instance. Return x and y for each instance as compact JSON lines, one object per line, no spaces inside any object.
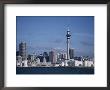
{"x":68,"y":41}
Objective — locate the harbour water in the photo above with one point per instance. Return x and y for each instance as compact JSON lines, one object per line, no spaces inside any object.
{"x":54,"y":70}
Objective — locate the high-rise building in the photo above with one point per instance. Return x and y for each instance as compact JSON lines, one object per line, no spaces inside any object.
{"x":52,"y":57}
{"x":65,"y":56}
{"x":45,"y":54}
{"x":22,"y":50}
{"x":71,"y":53}
{"x":58,"y":56}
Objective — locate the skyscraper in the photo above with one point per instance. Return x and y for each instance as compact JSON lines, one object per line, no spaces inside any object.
{"x":45,"y":54}
{"x":52,"y":57}
{"x":71,"y":53}
{"x":65,"y":56}
{"x":22,"y":50}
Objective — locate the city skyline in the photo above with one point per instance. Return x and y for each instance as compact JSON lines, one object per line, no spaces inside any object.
{"x":44,"y":33}
{"x":52,"y":59}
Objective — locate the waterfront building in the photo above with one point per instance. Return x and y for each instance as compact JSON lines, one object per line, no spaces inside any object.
{"x":44,"y":61}
{"x":78,"y":63}
{"x":25,"y":63}
{"x":18,"y":61}
{"x":88,"y":63}
{"x":38,"y":61}
{"x":71,"y":63}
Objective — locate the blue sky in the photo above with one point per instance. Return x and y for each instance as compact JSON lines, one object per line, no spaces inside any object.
{"x":44,"y":33}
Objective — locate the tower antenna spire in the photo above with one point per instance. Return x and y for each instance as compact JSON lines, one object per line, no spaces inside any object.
{"x":68,"y":28}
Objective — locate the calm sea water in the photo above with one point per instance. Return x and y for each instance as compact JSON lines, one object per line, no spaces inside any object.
{"x":54,"y":70}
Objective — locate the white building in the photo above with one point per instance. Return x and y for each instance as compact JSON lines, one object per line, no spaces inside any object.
{"x":19,"y":61}
{"x":58,"y":55}
{"x":88,"y":63}
{"x":25,"y":63}
{"x":78,"y":63}
{"x":63,"y":64}
{"x":33,"y":63}
{"x":38,"y":61}
{"x":44,"y":61}
{"x":71,"y":63}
